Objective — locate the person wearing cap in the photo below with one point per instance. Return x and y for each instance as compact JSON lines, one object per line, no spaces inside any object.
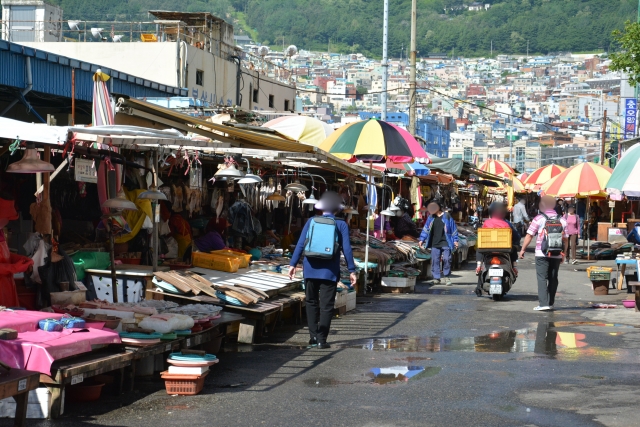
{"x":547,"y":267}
{"x":321,"y":275}
{"x":441,"y":235}
{"x":10,"y":263}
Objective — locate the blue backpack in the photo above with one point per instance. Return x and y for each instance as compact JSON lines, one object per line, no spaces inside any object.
{"x":321,"y":240}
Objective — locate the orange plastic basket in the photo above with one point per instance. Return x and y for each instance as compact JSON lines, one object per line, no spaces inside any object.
{"x":186,"y":385}
{"x":227,"y":263}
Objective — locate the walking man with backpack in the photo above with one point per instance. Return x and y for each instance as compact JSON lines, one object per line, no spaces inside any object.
{"x":440,"y":234}
{"x":321,"y":240}
{"x":550,"y":232}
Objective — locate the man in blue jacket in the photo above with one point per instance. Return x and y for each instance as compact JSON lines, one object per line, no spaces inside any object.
{"x":440,"y":234}
{"x":321,"y":275}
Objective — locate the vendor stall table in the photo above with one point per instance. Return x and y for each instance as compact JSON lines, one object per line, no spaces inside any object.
{"x":621,"y":265}
{"x":635,"y":287}
{"x":132,"y":281}
{"x":75,"y":370}
{"x":17,"y":383}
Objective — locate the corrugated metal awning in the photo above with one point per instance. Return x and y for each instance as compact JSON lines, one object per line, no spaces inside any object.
{"x":236,"y":136}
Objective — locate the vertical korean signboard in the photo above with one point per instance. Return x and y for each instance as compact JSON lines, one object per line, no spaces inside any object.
{"x":631,"y":109}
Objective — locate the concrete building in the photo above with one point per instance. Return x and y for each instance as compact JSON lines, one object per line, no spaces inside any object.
{"x":31,"y":21}
{"x":207,"y":63}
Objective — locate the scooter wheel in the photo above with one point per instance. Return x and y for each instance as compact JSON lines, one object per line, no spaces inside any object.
{"x":496,"y":297}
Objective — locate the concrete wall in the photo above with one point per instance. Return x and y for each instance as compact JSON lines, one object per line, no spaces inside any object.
{"x":159,"y":62}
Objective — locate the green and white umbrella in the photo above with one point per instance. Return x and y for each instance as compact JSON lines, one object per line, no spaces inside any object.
{"x":625,"y":179}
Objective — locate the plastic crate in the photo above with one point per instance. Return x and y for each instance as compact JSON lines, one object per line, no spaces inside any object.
{"x":215,"y":262}
{"x":494,"y":238}
{"x":596,"y":273}
{"x":245,"y":259}
{"x":186,"y":385}
{"x":148,"y":38}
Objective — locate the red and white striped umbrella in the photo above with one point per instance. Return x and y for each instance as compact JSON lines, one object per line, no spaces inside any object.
{"x":541,"y":176}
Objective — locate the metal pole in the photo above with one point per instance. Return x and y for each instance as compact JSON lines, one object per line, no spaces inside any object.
{"x":604,"y":136}
{"x":385,"y":60}
{"x":73,"y":97}
{"x":154,"y":208}
{"x":366,"y":248}
{"x":412,"y":70}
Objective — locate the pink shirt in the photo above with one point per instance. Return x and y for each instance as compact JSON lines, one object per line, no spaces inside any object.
{"x":572,"y":224}
{"x":536,"y":227}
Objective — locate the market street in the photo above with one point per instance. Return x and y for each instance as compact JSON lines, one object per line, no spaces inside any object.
{"x":478,"y":362}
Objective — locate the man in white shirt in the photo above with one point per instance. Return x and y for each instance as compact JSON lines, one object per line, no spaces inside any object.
{"x":520,"y":217}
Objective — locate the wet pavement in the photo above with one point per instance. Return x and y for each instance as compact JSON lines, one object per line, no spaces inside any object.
{"x":438,"y":357}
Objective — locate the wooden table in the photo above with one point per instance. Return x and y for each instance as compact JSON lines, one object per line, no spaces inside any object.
{"x":17,"y":383}
{"x":621,"y":265}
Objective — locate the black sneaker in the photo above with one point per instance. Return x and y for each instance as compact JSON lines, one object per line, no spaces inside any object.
{"x":313,"y":342}
{"x":323,"y":345}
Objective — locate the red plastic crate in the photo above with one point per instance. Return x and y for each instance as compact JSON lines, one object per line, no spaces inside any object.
{"x":186,"y":385}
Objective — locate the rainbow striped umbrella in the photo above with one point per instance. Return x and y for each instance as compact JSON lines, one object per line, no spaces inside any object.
{"x":370,"y":141}
{"x":496,"y":167}
{"x":102,"y":112}
{"x":410,"y":169}
{"x":541,"y":176}
{"x":581,"y":180}
{"x":305,"y":129}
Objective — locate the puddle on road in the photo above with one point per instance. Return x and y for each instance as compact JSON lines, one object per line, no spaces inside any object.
{"x":544,"y":341}
{"x":402,"y":374}
{"x":447,"y":292}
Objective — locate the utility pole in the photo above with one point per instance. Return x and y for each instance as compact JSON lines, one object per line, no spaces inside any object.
{"x":412,"y":70}
{"x":604,"y":136}
{"x":385,"y":59}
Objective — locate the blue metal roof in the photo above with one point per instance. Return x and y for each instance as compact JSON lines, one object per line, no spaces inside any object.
{"x":51,"y":75}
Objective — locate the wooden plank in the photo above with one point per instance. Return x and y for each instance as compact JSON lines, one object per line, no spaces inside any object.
{"x":241,"y":291}
{"x":170,"y":279}
{"x":247,"y":329}
{"x":252,"y":289}
{"x":200,"y":298}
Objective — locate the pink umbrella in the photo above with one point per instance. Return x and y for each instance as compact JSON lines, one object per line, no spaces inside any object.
{"x":418,"y":152}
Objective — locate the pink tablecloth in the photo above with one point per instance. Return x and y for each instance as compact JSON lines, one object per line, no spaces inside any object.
{"x":36,"y":351}
{"x":24,"y":320}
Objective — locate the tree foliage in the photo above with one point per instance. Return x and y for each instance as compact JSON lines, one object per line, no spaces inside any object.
{"x":628,"y":59}
{"x":444,"y":26}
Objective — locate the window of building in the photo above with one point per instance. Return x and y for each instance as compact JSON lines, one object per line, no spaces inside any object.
{"x":255,"y":95}
{"x":271,"y":101}
{"x":286,"y":105}
{"x":457,"y":156}
{"x":200,"y":77}
{"x":468,"y":155}
{"x":480,"y":158}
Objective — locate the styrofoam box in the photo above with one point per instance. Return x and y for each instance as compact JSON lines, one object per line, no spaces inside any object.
{"x":102,"y":285}
{"x":398,"y":282}
{"x":341,"y":299}
{"x":37,"y":406}
{"x":351,"y":301}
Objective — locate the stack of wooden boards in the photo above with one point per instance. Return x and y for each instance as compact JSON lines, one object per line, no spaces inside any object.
{"x":188,"y":282}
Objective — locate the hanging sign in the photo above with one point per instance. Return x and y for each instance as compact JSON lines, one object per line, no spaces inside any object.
{"x":631,"y":110}
{"x":85,"y":171}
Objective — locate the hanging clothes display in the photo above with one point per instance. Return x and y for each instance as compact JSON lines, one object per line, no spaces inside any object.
{"x":10,"y":263}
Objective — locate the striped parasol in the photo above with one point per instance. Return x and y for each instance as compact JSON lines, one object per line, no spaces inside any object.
{"x":102,"y":111}
{"x":496,"y":167}
{"x":305,"y":129}
{"x":541,"y":176}
{"x":581,"y":180}
{"x":372,"y":141}
{"x":626,"y":176}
